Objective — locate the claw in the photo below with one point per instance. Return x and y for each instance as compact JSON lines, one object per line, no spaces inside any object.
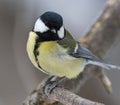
{"x":51,"y":84}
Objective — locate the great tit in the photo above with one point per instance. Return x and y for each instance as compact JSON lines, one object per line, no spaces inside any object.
{"x":53,"y":50}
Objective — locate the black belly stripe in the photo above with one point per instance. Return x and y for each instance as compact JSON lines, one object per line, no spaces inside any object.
{"x":36,"y":53}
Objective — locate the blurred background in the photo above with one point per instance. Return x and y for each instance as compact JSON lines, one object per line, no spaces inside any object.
{"x":18,"y":77}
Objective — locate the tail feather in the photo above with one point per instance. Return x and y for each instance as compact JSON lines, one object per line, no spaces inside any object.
{"x":103,"y":65}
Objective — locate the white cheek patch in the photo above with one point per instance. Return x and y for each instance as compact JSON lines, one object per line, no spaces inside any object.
{"x":40,"y":26}
{"x":61,"y":32}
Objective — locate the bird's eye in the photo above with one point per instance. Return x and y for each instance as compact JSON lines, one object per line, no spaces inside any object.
{"x":61,"y":32}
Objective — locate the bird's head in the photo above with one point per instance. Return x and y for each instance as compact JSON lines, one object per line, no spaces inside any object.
{"x":49,"y":27}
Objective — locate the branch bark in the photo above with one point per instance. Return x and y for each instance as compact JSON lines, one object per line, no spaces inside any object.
{"x":64,"y":96}
{"x":99,"y":39}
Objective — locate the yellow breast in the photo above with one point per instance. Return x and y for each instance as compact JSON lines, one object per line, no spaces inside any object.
{"x":54,"y":60}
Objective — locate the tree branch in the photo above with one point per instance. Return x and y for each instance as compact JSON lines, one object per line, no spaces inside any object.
{"x":64,"y":96}
{"x":99,"y":39}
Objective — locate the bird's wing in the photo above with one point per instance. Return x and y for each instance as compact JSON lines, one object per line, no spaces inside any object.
{"x":75,"y":49}
{"x":81,"y":52}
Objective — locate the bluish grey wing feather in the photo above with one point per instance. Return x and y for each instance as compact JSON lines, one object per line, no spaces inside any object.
{"x":83,"y":53}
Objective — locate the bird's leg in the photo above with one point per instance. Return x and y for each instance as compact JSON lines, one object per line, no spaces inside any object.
{"x":51,"y":83}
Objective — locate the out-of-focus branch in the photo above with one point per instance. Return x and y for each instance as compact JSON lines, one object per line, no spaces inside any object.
{"x":102,"y":35}
{"x":105,"y":31}
{"x":99,"y":39}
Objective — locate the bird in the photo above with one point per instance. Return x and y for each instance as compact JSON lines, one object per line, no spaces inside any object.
{"x":54,"y":51}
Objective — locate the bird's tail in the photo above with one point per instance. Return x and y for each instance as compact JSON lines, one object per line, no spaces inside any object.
{"x":103,"y":65}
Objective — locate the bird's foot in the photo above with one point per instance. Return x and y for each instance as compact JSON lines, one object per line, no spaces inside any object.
{"x":51,"y":83}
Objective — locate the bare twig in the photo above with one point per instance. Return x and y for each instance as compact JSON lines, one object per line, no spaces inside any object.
{"x":99,"y":39}
{"x":105,"y":81}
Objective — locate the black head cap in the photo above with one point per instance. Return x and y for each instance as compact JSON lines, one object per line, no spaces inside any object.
{"x":52,"y":20}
